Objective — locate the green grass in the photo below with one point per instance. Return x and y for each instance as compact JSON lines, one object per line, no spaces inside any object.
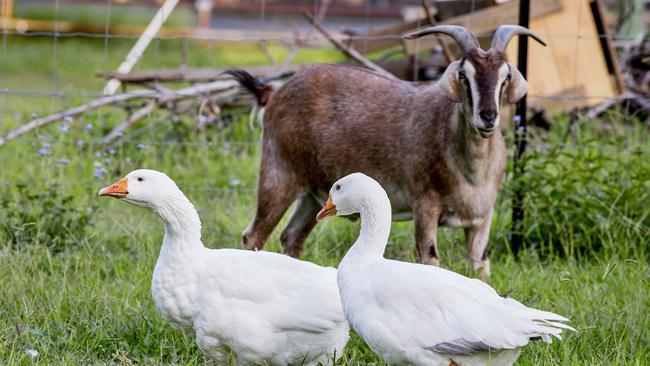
{"x":75,"y":269}
{"x":183,"y":16}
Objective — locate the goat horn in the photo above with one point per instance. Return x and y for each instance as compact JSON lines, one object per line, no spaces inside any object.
{"x":504,"y":34}
{"x":465,"y":39}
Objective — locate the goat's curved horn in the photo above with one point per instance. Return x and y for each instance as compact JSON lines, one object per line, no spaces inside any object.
{"x":465,"y":39}
{"x":504,"y":34}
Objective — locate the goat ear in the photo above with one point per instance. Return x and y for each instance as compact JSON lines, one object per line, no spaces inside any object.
{"x":518,"y":86}
{"x":448,"y":83}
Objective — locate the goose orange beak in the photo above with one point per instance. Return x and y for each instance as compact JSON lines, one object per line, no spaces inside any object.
{"x":328,"y":210}
{"x":118,"y":189}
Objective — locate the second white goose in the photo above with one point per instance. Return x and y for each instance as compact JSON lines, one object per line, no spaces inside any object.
{"x":414,"y":314}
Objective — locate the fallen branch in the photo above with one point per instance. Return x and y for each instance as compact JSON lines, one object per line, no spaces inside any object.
{"x":190,"y":75}
{"x":161,"y":97}
{"x":40,"y":122}
{"x":133,"y":118}
{"x":445,"y":49}
{"x":165,"y":98}
{"x":628,"y":95}
{"x":347,"y":50}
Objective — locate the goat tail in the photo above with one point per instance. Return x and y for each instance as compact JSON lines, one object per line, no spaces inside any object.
{"x":261,"y":91}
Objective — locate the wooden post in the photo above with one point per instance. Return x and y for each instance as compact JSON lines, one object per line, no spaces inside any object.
{"x":517,"y":235}
{"x":6,"y":12}
{"x":141,"y":45}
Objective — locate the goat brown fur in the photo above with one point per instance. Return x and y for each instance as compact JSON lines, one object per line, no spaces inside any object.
{"x":420,"y":142}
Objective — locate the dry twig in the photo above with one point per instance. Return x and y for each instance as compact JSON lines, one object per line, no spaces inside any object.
{"x":94,"y":104}
{"x":347,"y":50}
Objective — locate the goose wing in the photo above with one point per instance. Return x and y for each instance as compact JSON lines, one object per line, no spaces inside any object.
{"x":446,"y":312}
{"x":286,"y":293}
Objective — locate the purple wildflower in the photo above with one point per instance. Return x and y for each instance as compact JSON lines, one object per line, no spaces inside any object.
{"x":43,"y":152}
{"x":142,"y":146}
{"x":111,"y":151}
{"x":80,"y":143}
{"x":63,"y":161}
{"x":107,"y":161}
{"x":46,"y":145}
{"x":68,"y":119}
{"x":34,"y":114}
{"x":119,"y":133}
{"x":100,"y":173}
{"x":64,"y":128}
{"x":89,"y":126}
{"x":98,"y":155}
{"x":97,"y":164}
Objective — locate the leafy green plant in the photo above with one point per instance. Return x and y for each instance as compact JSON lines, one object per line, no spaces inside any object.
{"x":46,"y":217}
{"x":586,"y":195}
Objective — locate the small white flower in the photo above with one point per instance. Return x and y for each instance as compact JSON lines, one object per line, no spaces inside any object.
{"x":31,"y":353}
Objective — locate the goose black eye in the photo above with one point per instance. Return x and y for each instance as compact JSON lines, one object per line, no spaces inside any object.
{"x":338,"y":187}
{"x":140,"y":179}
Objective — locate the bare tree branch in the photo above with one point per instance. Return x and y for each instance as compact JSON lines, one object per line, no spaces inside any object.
{"x":427,"y":10}
{"x":94,"y":104}
{"x":133,"y":118}
{"x":347,"y":50}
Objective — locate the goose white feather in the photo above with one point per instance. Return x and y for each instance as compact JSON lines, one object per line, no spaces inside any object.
{"x":265,"y":307}
{"x":416,"y":314}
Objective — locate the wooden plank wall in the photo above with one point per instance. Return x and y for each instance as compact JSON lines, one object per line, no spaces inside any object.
{"x":572,"y":64}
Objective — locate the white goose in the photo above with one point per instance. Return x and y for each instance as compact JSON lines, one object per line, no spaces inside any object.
{"x":267,"y":308}
{"x":413,"y":314}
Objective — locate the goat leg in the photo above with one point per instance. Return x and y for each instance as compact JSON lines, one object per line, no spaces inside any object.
{"x":300,"y":225}
{"x":425,"y":216}
{"x":276,"y":191}
{"x":477,"y":240}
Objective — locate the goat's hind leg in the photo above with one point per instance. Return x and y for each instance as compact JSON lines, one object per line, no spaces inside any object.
{"x":275,"y":193}
{"x":425,"y":217}
{"x":477,"y":241}
{"x":302,"y":221}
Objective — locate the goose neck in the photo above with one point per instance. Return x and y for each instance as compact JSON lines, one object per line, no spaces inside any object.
{"x":375,"y":228}
{"x":182,"y":223}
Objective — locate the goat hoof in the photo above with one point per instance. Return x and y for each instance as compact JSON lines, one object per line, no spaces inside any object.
{"x":292,"y":252}
{"x":485,"y":275}
{"x":248,"y":244}
{"x":432,"y":261}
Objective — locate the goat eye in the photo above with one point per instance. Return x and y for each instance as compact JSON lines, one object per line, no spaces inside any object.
{"x":140,"y":179}
{"x":338,"y":187}
{"x":461,"y":76}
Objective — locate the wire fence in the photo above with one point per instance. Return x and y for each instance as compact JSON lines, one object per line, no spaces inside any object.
{"x":55,"y":89}
{"x":236,"y":184}
{"x":261,"y":35}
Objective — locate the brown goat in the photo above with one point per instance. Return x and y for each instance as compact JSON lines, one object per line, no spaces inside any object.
{"x":435,"y":148}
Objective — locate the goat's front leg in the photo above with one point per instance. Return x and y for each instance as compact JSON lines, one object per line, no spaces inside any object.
{"x":477,"y":240}
{"x":426,"y":216}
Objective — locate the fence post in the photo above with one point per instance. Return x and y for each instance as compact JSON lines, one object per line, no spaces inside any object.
{"x":516,"y":234}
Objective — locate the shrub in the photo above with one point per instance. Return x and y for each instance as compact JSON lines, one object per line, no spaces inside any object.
{"x":49,"y":217}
